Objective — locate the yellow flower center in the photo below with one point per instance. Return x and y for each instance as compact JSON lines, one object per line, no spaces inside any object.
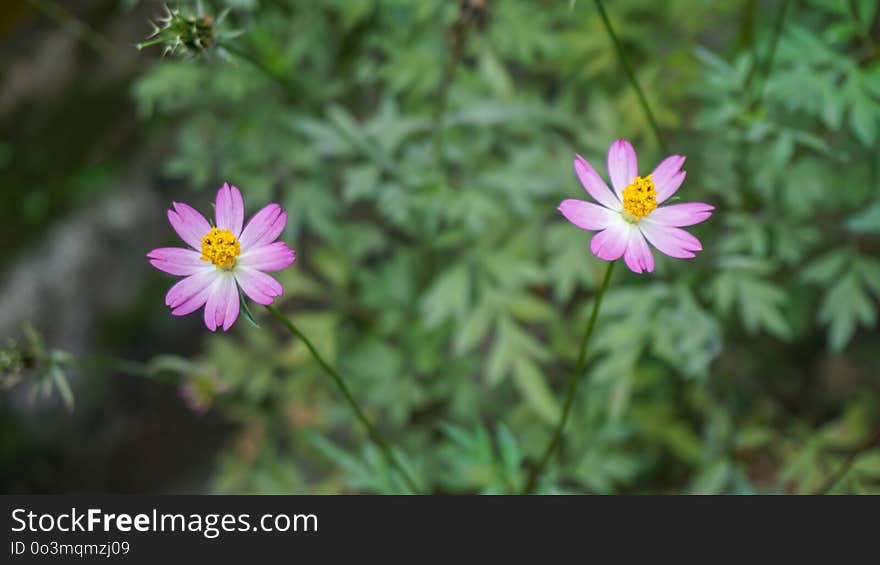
{"x":639,"y":198}
{"x":221,"y":248}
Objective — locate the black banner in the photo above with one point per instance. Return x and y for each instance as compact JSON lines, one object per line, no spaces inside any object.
{"x":275,"y":529}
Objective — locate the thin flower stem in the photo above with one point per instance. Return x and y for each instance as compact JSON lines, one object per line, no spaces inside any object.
{"x":868,"y":445}
{"x":161,"y":373}
{"x":759,"y":72}
{"x":770,"y":56}
{"x":92,"y":37}
{"x":571,"y":389}
{"x":289,"y":86}
{"x":627,"y":69}
{"x":457,"y":44}
{"x":377,"y":437}
{"x":125,"y":366}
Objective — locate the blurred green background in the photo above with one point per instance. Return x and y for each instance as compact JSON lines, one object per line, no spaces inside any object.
{"x":420,"y":148}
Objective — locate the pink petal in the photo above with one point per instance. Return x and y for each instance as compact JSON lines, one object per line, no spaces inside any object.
{"x":272,"y":257}
{"x":185,"y":289}
{"x":229,"y":209}
{"x":594,"y":184}
{"x":221,"y":309}
{"x":177,"y":261}
{"x":638,"y":256}
{"x":192,"y":304}
{"x":189,"y":224}
{"x":233,"y":304}
{"x":623,"y":166}
{"x":258,"y":286}
{"x":212,"y":304}
{"x":586,"y":215}
{"x":264,"y":227}
{"x":672,"y":241}
{"x":682,"y":214}
{"x":667,"y":176}
{"x":610,"y":243}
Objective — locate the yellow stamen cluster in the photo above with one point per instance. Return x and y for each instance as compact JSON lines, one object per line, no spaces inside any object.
{"x":221,"y":248}
{"x":639,"y":198}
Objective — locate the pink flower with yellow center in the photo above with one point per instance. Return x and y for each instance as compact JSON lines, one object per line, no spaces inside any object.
{"x":223,"y":258}
{"x":632,"y":214}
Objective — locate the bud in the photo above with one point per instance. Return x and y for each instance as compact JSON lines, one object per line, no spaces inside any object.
{"x":200,"y":390}
{"x":186,"y":35}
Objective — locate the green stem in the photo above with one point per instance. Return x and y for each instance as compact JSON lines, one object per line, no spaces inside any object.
{"x":92,"y":37}
{"x":627,"y":69}
{"x":770,"y":56}
{"x":759,"y":71}
{"x":134,"y":368}
{"x":868,"y":445}
{"x":290,"y":88}
{"x":377,"y":438}
{"x":457,"y":44}
{"x":573,"y":381}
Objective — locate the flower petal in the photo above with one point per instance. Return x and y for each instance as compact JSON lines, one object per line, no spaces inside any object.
{"x":221,"y":309}
{"x":638,"y":256}
{"x":594,"y":184}
{"x":272,"y":257}
{"x":233,"y":304}
{"x":192,"y":304}
{"x":672,"y":241}
{"x":264,"y":227}
{"x":177,"y":261}
{"x":229,"y":209}
{"x":610,"y":243}
{"x":258,"y":286}
{"x":623,"y":166}
{"x":586,"y":215}
{"x":211,"y":306}
{"x":189,"y":224}
{"x":186,"y":288}
{"x":682,"y":214}
{"x":667,"y":176}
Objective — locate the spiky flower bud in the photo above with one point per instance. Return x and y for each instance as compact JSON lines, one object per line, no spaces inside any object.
{"x":183,"y":34}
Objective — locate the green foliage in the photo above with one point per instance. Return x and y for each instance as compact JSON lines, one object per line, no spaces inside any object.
{"x":452,"y":295}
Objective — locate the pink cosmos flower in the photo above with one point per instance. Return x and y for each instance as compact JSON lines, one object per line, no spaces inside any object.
{"x":630,"y":215}
{"x":223,"y":258}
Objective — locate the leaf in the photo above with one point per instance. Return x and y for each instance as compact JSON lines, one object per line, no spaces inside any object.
{"x":245,"y":309}
{"x":512,"y":348}
{"x":493,"y":72}
{"x":685,"y":335}
{"x":475,"y":328}
{"x":825,"y":268}
{"x":529,"y":308}
{"x":866,"y":221}
{"x":869,"y":272}
{"x":60,"y":380}
{"x":448,"y":298}
{"x":844,"y":306}
{"x":534,"y":389}
{"x":509,"y":450}
{"x":760,"y":303}
{"x":473,"y":458}
{"x":863,"y":119}
{"x":713,"y":479}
